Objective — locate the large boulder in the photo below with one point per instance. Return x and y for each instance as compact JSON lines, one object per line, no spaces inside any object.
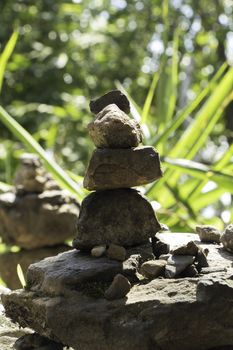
{"x":123,"y":217}
{"x":36,"y":220}
{"x":112,"y":128}
{"x":64,"y":300}
{"x":122,"y":168}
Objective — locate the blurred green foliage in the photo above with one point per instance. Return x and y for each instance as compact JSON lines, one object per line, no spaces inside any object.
{"x":163,"y":53}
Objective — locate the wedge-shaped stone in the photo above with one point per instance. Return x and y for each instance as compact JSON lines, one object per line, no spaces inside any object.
{"x":122,"y":217}
{"x":122,"y":168}
{"x":112,"y":128}
{"x":114,"y":96}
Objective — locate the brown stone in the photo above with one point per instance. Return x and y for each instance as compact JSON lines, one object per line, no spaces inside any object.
{"x":114,"y":96}
{"x":122,"y":217}
{"x":112,"y":128}
{"x":208,"y":233}
{"x":190,"y":248}
{"x":153,"y":268}
{"x":116,"y":252}
{"x":122,"y":168}
{"x":119,"y":288}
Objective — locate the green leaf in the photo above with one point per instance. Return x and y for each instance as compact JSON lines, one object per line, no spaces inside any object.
{"x":6,"y":55}
{"x":21,"y":276}
{"x":201,"y":171}
{"x":58,"y":173}
{"x":182,"y":116}
{"x":149,"y":98}
{"x":204,"y":116}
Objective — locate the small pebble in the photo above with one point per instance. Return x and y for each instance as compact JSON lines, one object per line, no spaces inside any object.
{"x":159,"y":247}
{"x":177,"y":264}
{"x":153,"y":268}
{"x":190,"y":248}
{"x":98,"y":251}
{"x":190,"y":271}
{"x":118,"y":289}
{"x":116,"y":252}
{"x":208,"y":233}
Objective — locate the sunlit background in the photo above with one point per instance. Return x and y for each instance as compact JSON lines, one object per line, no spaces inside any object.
{"x":70,"y":51}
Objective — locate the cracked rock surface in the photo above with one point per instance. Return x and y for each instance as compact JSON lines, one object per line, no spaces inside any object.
{"x":163,"y":314}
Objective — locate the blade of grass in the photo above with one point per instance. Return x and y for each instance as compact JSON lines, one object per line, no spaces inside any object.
{"x":204,"y":116}
{"x":6,"y":55}
{"x":59,"y":174}
{"x":201,"y":171}
{"x":182,"y":116}
{"x":149,"y":98}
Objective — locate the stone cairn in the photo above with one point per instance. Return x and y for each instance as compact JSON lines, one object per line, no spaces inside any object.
{"x":116,"y":217}
{"x":36,"y":216}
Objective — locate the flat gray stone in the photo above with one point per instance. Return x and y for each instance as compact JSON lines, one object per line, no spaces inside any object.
{"x":151,"y":316}
{"x":122,"y":168}
{"x":36,"y":220}
{"x":177,"y":264}
{"x":9,"y":262}
{"x":122,"y":217}
{"x":112,"y":128}
{"x":115,"y":96}
{"x":73,"y":270}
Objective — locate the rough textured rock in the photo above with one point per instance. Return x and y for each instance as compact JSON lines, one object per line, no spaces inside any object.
{"x":190,"y":248}
{"x":153,"y":316}
{"x":177,"y":264}
{"x":119,"y":288}
{"x":116,"y":252}
{"x":122,"y":217}
{"x":37,"y":342}
{"x":76,"y":270}
{"x":32,"y":177}
{"x":9,"y":262}
{"x":122,"y":168}
{"x":36,"y":220}
{"x":114,"y":96}
{"x":98,"y":251}
{"x":9,"y":332}
{"x":208,"y":233}
{"x":153,"y":268}
{"x":112,"y":128}
{"x":227,"y":238}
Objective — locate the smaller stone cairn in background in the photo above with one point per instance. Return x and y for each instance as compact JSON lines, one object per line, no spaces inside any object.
{"x":37,"y":217}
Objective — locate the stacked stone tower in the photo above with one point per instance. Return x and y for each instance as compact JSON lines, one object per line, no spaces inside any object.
{"x":116,"y":214}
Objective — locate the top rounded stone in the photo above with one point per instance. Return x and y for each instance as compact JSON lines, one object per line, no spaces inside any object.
{"x":112,"y":128}
{"x":114,"y":96}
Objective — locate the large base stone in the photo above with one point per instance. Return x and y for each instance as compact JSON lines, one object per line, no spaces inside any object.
{"x":122,"y":168}
{"x":36,"y":220}
{"x":174,"y":314}
{"x":122,"y":217}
